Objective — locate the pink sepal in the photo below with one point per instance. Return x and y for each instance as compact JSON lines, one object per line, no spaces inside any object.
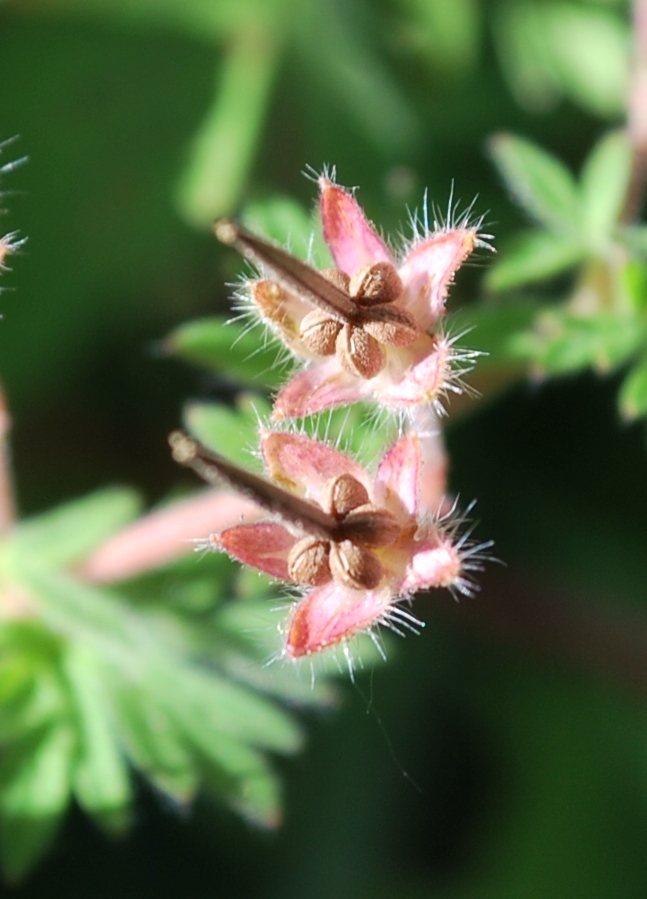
{"x":427,"y":272}
{"x":423,"y":381}
{"x":399,"y":471}
{"x":264,"y":546}
{"x":352,"y":241}
{"x":321,"y":386}
{"x":331,"y":614}
{"x":433,"y":565}
{"x":306,"y":466}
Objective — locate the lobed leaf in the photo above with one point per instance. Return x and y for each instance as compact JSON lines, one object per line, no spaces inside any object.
{"x":153,"y":741}
{"x":539,"y":181}
{"x":534,"y":256}
{"x":243,"y":779}
{"x":563,"y":341}
{"x":34,"y":796}
{"x":99,"y":777}
{"x":604,"y":182}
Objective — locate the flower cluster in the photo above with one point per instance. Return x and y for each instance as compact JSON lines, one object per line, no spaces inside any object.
{"x":367,"y":329}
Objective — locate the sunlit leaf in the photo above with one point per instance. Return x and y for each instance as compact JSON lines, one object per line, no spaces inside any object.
{"x":563,"y":341}
{"x":283,"y":220}
{"x":533,"y":256}
{"x":33,"y":798}
{"x":66,"y":534}
{"x":604,"y":184}
{"x":224,"y":147}
{"x":100,"y":780}
{"x":633,"y":392}
{"x":153,"y":742}
{"x":244,"y":354}
{"x":243,"y":779}
{"x":232,"y":432}
{"x":590,"y":55}
{"x":540,"y":182}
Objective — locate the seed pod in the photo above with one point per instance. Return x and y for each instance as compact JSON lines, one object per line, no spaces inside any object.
{"x":370,"y":526}
{"x":319,"y":332}
{"x":376,"y":284}
{"x":390,"y":326}
{"x":272,"y":302}
{"x":308,"y":562}
{"x":354,"y":566}
{"x":337,"y":277}
{"x":359,"y":353}
{"x":344,"y":494}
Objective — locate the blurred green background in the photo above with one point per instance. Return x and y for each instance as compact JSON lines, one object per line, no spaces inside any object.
{"x":503,"y":753}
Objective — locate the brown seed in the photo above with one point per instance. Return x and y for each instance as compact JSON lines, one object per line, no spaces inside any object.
{"x":337,"y":277}
{"x":308,"y":562}
{"x":359,"y":353}
{"x":354,"y":566}
{"x":344,"y":494}
{"x":370,"y":526}
{"x":390,"y":325}
{"x":319,"y":332}
{"x":375,"y":284}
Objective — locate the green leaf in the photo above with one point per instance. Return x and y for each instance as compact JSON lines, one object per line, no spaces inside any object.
{"x":633,"y":392}
{"x":533,"y":256}
{"x":33,"y":800}
{"x":206,"y":705}
{"x":224,"y":147}
{"x":153,"y":742}
{"x":285,"y":221}
{"x":232,"y":432}
{"x":563,"y":341}
{"x":100,"y":778}
{"x":589,"y":52}
{"x":539,"y":181}
{"x":69,"y":532}
{"x":233,"y":348}
{"x":604,"y":184}
{"x":243,"y":779}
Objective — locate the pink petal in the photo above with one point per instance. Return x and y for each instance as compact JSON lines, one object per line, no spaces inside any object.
{"x":399,"y":471}
{"x":323,"y":385}
{"x":264,"y":546}
{"x":331,"y":614}
{"x":423,"y":380}
{"x":352,"y":241}
{"x":433,"y":565}
{"x":306,"y":466}
{"x":427,"y":273}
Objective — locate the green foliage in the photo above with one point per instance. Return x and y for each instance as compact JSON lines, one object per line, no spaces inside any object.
{"x":132,"y":109}
{"x":602,"y":321}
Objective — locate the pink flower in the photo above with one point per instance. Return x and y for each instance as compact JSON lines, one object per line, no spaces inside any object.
{"x":356,"y":544}
{"x":368,"y":328}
